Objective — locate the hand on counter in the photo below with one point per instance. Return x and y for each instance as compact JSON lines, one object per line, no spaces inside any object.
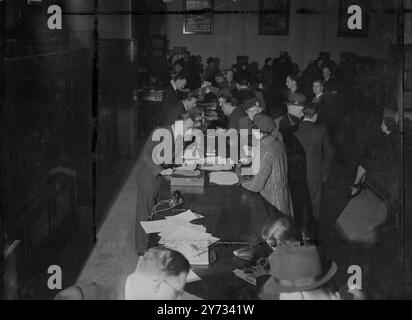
{"x":166,"y":172}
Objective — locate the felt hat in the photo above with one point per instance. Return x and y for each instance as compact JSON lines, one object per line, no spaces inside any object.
{"x":296,"y":268}
{"x":311,"y":109}
{"x":250,"y":103}
{"x":264,"y":123}
{"x":226,"y":93}
{"x":297,"y":100}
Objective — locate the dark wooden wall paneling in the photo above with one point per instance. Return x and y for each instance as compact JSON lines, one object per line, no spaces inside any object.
{"x":48,"y":99}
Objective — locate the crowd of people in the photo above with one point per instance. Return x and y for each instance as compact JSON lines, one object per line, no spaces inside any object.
{"x":301,"y":122}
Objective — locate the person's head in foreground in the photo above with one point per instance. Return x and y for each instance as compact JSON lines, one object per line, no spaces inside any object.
{"x":264,"y":123}
{"x":160,"y":275}
{"x":279,"y":231}
{"x":298,"y":273}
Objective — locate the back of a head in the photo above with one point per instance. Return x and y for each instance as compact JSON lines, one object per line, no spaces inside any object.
{"x":294,"y":77}
{"x":163,"y":262}
{"x":310,"y":111}
{"x":279,"y":230}
{"x":180,"y":76}
{"x":242,"y":80}
{"x":187,"y":96}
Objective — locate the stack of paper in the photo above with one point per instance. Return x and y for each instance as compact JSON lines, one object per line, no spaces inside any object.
{"x":216,"y":167}
{"x":186,"y":167}
{"x":177,"y":233}
{"x":248,"y":277}
{"x":223,"y":178}
{"x":215,"y":160}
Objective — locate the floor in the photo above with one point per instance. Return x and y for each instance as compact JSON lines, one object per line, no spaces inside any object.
{"x":114,"y":254}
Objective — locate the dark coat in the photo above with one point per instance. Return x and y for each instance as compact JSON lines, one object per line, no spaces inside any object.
{"x":235,"y":117}
{"x":173,"y":113}
{"x":318,"y":150}
{"x":169,"y":99}
{"x":148,"y":188}
{"x":331,"y":85}
{"x":296,"y":157}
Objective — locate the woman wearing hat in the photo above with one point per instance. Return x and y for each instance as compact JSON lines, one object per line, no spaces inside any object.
{"x":271,"y":180}
{"x":295,"y":270}
{"x":298,"y":273}
{"x":383,"y":156}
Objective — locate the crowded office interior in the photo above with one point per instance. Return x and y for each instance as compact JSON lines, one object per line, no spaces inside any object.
{"x":199,"y":149}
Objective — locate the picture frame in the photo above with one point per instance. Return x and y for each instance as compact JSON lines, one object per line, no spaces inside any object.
{"x":343,"y":29}
{"x":274,"y":17}
{"x":200,"y":23}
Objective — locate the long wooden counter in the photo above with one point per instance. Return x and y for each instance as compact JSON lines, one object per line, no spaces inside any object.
{"x":231,"y":214}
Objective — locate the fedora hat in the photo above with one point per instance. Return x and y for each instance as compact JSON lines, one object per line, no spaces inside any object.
{"x":296,"y":100}
{"x":250,"y":103}
{"x":264,"y":122}
{"x":311,"y":109}
{"x":297,"y":268}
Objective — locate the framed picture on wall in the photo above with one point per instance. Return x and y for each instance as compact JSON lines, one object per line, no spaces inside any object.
{"x":343,"y":29}
{"x":198,"y":23}
{"x":274,"y":17}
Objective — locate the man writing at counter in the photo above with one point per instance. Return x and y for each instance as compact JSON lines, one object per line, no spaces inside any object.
{"x":161,"y":274}
{"x":171,"y":94}
{"x":151,"y":166}
{"x":188,"y":104}
{"x":230,"y":109}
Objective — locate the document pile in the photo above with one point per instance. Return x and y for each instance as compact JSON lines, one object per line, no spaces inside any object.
{"x":223,"y":178}
{"x":177,"y":233}
{"x":215,"y":163}
{"x":248,"y":277}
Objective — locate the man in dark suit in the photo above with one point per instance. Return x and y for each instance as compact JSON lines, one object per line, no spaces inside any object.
{"x":171,"y":95}
{"x":166,"y":268}
{"x":231,"y":110}
{"x":186,"y":105}
{"x":319,"y":153}
{"x":288,"y":125}
{"x":150,"y":166}
{"x":244,"y":92}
